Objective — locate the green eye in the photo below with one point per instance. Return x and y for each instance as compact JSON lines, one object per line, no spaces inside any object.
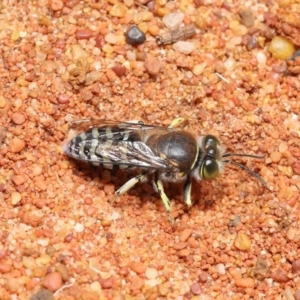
{"x":210,"y":169}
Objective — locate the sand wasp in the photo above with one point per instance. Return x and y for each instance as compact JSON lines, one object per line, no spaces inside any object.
{"x":166,"y":153}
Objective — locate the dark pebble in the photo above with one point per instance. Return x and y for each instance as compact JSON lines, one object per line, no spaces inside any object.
{"x":42,"y":295}
{"x":134,"y":36}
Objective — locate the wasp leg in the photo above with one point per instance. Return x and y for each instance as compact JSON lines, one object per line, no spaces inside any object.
{"x":187,"y":191}
{"x":176,"y":122}
{"x":158,"y":185}
{"x":128,"y":185}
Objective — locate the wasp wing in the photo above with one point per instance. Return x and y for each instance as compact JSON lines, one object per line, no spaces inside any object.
{"x":86,"y":124}
{"x":116,"y":143}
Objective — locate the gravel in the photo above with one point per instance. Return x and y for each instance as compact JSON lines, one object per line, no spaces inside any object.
{"x":62,"y":236}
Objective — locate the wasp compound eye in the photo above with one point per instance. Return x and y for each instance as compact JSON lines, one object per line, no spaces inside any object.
{"x":210,"y":169}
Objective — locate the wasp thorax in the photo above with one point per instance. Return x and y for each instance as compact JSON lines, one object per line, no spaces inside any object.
{"x":212,"y":157}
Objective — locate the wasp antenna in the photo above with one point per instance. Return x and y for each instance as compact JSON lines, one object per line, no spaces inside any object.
{"x":247,"y":170}
{"x":243,"y":155}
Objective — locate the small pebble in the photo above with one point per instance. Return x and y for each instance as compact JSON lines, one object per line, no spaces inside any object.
{"x":138,"y":267}
{"x":63,"y":98}
{"x":36,"y":170}
{"x":52,"y":281}
{"x":96,"y":286}
{"x":63,"y":271}
{"x":92,"y":77}
{"x":42,"y":295}
{"x":296,"y":266}
{"x":40,"y":271}
{"x":109,"y":189}
{"x":18,"y":118}
{"x":78,"y":52}
{"x":56,"y":5}
{"x":173,"y":20}
{"x":296,"y":54}
{"x":247,"y":18}
{"x":237,"y":28}
{"x":13,"y":284}
{"x":107,"y":48}
{"x":2,"y":102}
{"x":18,"y":179}
{"x":136,"y":283}
{"x":196,"y":288}
{"x":198,"y":69}
{"x":79,"y":227}
{"x":134,"y":36}
{"x":119,"y":70}
{"x":291,"y":233}
{"x":296,"y":167}
{"x":151,"y":273}
{"x":111,"y":38}
{"x":280,"y":276}
{"x":288,"y":294}
{"x":275,"y":156}
{"x":242,"y":241}
{"x":221,"y":269}
{"x":203,"y":277}
{"x":15,"y":198}
{"x":281,"y":48}
{"x":29,"y":262}
{"x":106,"y":283}
{"x":185,"y":234}
{"x":41,"y":184}
{"x":297,"y":295}
{"x":184,"y":47}
{"x":245,"y":282}
{"x":153,"y":30}
{"x":261,"y":58}
{"x":83,"y":34}
{"x":5,"y":267}
{"x":16,"y":145}
{"x":118,"y":10}
{"x":44,"y":259}
{"x":152,"y":65}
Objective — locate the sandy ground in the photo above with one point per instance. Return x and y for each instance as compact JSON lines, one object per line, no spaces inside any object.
{"x":61,"y":237}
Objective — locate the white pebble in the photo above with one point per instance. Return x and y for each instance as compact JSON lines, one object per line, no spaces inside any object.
{"x":151,"y":273}
{"x":131,"y":55}
{"x":261,"y":58}
{"x":221,"y":269}
{"x":23,"y":34}
{"x":229,"y":64}
{"x":111,"y":38}
{"x":79,"y":227}
{"x":115,"y":216}
{"x":184,"y":47}
{"x":43,"y":242}
{"x":15,"y":198}
{"x":95,"y":286}
{"x":173,"y":20}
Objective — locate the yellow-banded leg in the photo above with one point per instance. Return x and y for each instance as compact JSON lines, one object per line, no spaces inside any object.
{"x":128,"y":185}
{"x":187,"y":191}
{"x":158,"y":185}
{"x":176,"y":122}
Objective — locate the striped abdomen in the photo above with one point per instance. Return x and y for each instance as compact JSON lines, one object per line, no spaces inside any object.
{"x":102,"y":146}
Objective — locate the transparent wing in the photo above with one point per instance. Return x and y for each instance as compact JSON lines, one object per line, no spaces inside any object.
{"x":85,"y":124}
{"x":115,"y":143}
